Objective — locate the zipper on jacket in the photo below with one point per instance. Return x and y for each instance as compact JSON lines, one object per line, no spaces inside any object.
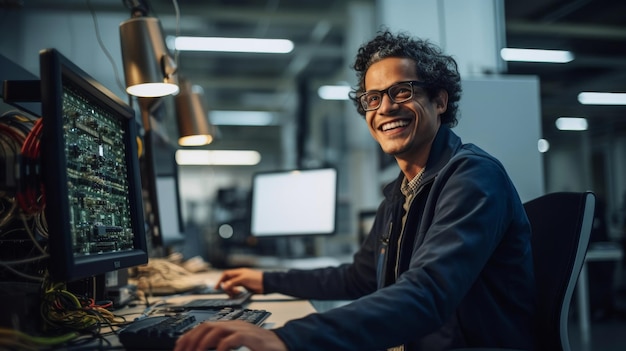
{"x":382,"y":256}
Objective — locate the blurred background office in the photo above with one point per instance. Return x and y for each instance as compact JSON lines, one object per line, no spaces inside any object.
{"x":282,"y":107}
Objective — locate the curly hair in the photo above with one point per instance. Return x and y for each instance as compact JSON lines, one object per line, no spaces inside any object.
{"x":437,"y":70}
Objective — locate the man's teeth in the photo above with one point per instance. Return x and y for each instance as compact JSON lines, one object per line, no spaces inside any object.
{"x":394,"y":124}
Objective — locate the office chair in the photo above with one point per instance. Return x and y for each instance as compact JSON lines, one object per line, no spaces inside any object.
{"x":561,"y":223}
{"x":561,"y":226}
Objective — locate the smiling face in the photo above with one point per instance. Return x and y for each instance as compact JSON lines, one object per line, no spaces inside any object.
{"x":407,"y":129}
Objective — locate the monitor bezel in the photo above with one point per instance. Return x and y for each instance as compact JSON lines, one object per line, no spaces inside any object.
{"x":63,"y":265}
{"x":256,"y":175}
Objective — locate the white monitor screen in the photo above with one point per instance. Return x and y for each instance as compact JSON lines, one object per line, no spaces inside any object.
{"x":299,"y":202}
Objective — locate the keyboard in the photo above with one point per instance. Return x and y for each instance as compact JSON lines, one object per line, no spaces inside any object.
{"x":236,"y":301}
{"x":161,"y":332}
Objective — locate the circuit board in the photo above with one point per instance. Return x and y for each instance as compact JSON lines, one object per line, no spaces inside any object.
{"x":100,"y":214}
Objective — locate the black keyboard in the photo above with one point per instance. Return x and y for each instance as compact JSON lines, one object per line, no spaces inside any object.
{"x":161,"y":332}
{"x":208,"y":303}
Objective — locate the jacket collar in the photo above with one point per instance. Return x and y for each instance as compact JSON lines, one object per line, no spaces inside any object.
{"x":444,"y":146}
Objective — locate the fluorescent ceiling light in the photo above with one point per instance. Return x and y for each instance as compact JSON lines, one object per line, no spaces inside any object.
{"x":588,"y":98}
{"x":242,"y":118}
{"x":334,"y":92}
{"x":571,"y":123}
{"x":536,"y":55}
{"x":273,"y":46}
{"x":217,"y":157}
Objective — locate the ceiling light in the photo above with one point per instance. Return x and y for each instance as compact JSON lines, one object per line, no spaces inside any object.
{"x":242,"y":118}
{"x":272,"y":46}
{"x":334,"y":92}
{"x":217,"y":157}
{"x":588,"y":98}
{"x":148,"y":68}
{"x":536,"y":55}
{"x":571,"y":123}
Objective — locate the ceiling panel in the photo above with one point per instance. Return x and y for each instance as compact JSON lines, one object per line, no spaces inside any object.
{"x":595,"y":30}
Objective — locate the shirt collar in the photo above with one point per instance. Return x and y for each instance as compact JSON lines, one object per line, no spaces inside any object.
{"x":410,"y":187}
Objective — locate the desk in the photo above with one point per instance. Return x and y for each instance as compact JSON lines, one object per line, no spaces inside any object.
{"x":596,"y":252}
{"x":283,"y":308}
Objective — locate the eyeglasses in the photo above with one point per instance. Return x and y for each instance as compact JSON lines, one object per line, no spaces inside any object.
{"x":399,"y":92}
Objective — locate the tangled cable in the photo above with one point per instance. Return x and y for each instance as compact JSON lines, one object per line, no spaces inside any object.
{"x":11,"y":339}
{"x":20,"y":146}
{"x":31,"y":195}
{"x":60,"y":309}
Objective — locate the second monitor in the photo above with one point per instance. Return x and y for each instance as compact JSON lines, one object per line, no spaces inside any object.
{"x":295,"y":202}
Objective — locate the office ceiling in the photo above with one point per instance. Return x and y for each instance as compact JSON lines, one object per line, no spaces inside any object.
{"x":595,"y":30}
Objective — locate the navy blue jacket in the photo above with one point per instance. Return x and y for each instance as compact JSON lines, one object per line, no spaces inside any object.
{"x":463,"y":278}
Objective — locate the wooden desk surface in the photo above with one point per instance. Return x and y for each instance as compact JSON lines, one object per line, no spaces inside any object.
{"x":283,"y":311}
{"x":282,"y":307}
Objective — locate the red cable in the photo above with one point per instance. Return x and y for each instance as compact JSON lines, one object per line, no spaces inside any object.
{"x":32,"y":197}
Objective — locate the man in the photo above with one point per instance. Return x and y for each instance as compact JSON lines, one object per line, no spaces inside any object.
{"x":448,"y":262}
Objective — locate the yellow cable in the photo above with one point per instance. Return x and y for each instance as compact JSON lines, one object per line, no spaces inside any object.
{"x":14,"y":336}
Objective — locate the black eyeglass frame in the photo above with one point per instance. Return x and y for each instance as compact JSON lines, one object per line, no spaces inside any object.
{"x":412,"y":84}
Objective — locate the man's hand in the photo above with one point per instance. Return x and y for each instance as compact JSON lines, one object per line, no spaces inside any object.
{"x":250,"y":279}
{"x":228,"y":335}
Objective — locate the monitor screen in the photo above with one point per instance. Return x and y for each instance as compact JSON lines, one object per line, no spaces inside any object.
{"x":169,"y":209}
{"x":296,"y":202}
{"x":90,"y":174}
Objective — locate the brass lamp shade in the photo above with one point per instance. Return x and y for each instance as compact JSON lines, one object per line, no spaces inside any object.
{"x":193,"y":124}
{"x":148,"y":68}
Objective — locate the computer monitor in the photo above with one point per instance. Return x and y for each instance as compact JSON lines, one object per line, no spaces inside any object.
{"x":169,"y":208}
{"x":294,"y":203}
{"x":159,"y":172}
{"x":90,"y":174}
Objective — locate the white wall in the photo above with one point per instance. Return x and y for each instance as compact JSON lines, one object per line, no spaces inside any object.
{"x":73,"y":34}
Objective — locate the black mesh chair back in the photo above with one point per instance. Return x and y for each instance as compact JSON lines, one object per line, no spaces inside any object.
{"x":561,"y":223}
